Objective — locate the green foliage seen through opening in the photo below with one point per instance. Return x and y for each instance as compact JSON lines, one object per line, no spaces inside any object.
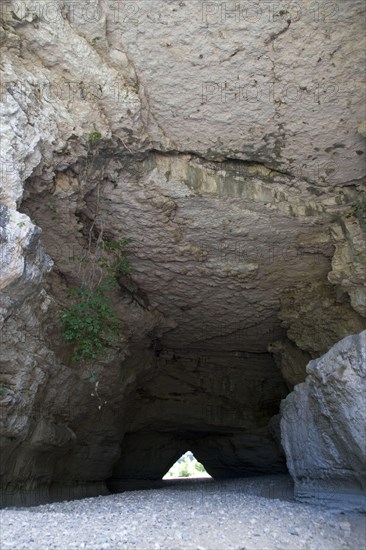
{"x":187,"y":466}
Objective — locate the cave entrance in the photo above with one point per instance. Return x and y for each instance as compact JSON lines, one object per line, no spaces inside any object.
{"x":187,"y":466}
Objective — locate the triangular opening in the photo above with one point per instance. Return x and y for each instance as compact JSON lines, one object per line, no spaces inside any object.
{"x":186,"y":466}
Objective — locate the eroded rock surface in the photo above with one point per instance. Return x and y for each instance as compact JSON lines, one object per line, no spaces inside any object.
{"x":323,"y":426}
{"x":229,"y":149}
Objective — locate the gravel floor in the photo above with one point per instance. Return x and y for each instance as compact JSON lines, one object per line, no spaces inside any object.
{"x":186,"y":514}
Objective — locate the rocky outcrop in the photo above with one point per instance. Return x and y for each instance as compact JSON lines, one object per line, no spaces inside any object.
{"x":323,"y":427}
{"x":211,"y":140}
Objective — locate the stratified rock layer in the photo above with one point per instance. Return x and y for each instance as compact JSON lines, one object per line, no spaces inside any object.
{"x":323,"y":426}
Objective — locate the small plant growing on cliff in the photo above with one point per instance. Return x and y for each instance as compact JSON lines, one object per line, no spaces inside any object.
{"x":53,"y":209}
{"x":94,"y":136}
{"x":4,"y":390}
{"x":359,"y":210}
{"x":341,"y":369}
{"x":90,"y":323}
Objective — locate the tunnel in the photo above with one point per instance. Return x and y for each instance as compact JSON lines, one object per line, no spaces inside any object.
{"x":182,"y":267}
{"x":204,"y":404}
{"x":216,"y":317}
{"x":220,"y":310}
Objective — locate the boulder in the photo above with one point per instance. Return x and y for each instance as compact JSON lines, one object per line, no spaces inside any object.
{"x":323,"y":427}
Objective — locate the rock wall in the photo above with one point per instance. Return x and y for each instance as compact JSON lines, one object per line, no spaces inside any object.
{"x":228,"y":146}
{"x":323,"y":426}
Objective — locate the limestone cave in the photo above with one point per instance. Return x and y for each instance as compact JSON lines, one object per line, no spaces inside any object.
{"x":182,"y":233}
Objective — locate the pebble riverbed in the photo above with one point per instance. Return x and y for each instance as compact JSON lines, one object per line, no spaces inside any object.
{"x":252,"y":513}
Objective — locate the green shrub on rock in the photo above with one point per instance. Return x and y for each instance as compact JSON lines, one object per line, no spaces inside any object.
{"x":90,"y":323}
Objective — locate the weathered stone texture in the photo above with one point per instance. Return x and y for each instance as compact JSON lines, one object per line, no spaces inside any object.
{"x":229,"y":149}
{"x":323,"y":426}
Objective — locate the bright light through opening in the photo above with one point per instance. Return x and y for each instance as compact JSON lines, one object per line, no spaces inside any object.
{"x":186,"y":466}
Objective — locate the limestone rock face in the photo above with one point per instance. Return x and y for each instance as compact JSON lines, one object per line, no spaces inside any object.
{"x":228,"y":147}
{"x":251,"y":82}
{"x":323,"y":426}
